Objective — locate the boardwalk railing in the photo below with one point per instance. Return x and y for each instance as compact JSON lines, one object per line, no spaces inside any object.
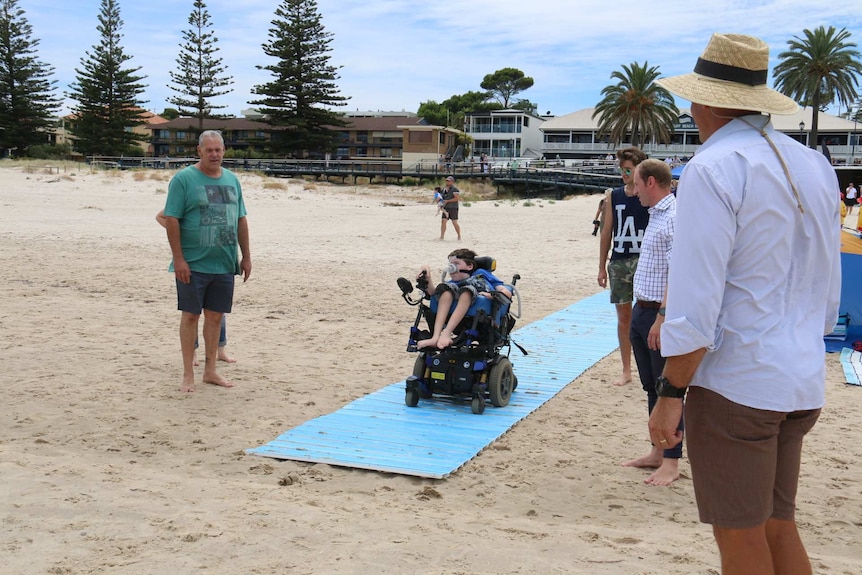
{"x":529,"y":176}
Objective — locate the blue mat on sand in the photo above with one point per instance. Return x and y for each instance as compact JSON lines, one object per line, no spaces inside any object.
{"x":380,"y":432}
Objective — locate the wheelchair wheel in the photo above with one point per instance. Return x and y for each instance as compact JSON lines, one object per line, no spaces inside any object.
{"x":501,"y":382}
{"x":419,"y":371}
{"x":411,"y":397}
{"x":477,"y":406}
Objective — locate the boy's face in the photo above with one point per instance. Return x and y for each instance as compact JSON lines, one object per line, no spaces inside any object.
{"x":463,"y":268}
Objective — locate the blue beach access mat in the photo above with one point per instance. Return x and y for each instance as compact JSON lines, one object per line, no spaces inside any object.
{"x":851,"y":363}
{"x":379,"y":432}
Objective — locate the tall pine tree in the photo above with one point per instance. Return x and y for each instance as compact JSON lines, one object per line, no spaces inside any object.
{"x":200,"y":76}
{"x":27,"y":99}
{"x":107,"y":94}
{"x":303,"y":84}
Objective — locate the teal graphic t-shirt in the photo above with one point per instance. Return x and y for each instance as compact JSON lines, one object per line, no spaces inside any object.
{"x":208,"y":210}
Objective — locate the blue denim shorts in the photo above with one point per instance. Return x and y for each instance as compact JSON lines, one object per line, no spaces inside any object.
{"x":206,"y":291}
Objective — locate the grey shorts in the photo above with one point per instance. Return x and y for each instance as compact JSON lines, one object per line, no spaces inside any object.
{"x":621,"y":275}
{"x":744,"y":461}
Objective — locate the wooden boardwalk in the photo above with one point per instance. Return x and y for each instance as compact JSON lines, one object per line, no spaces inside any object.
{"x":532,"y":180}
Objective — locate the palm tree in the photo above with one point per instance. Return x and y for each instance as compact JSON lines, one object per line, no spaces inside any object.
{"x":638,"y":105}
{"x":818,"y":70}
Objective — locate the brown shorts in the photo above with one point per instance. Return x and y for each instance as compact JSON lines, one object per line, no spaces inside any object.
{"x":744,"y":461}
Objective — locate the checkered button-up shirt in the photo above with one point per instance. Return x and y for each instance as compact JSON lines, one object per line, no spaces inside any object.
{"x":650,"y":278}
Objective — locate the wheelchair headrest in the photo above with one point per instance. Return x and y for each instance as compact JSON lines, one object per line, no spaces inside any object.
{"x":486,"y":263}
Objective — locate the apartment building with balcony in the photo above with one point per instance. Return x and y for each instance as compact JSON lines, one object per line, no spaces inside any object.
{"x":505,"y":133}
{"x":374,"y":135}
{"x":179,"y":137}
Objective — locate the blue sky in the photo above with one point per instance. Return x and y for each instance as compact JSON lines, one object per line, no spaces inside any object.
{"x":395,"y":54}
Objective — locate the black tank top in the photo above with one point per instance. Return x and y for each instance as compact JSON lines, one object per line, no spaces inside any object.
{"x":630,"y":220}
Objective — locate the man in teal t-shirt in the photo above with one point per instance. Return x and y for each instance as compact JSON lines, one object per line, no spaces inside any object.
{"x":206,"y":221}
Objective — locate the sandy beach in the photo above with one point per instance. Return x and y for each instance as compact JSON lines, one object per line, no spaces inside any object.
{"x":105,"y":467}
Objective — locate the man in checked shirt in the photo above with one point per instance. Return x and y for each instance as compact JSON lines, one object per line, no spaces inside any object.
{"x":652,"y":180}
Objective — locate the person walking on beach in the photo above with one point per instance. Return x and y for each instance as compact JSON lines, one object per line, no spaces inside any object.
{"x":205,"y":218}
{"x":624,"y":222}
{"x":451,"y":196}
{"x":652,"y":180}
{"x":754,"y":285}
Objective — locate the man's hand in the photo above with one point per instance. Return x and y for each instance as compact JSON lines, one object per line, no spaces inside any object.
{"x":603,"y":277}
{"x":664,"y":421}
{"x":182,"y":271}
{"x":245,"y":266}
{"x":654,"y":336}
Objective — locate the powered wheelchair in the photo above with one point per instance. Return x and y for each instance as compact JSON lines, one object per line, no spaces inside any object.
{"x":473,"y":366}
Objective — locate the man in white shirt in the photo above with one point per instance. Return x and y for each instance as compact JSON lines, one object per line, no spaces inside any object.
{"x":754,"y":286}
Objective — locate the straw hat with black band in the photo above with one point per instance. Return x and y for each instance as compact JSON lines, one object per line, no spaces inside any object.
{"x":731,"y":73}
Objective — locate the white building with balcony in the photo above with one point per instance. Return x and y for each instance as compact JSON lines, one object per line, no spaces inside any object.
{"x":505,"y":134}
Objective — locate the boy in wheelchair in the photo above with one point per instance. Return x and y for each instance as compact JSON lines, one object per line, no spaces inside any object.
{"x":470,"y":318}
{"x":466,"y":282}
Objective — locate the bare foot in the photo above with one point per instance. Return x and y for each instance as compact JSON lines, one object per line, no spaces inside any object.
{"x":666,"y":474}
{"x":430,"y":342}
{"x":652,"y":460}
{"x":223,"y":356}
{"x":188,"y":384}
{"x":217,"y":379}
{"x":624,"y":380}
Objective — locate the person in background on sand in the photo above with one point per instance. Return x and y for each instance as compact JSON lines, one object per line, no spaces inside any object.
{"x":625,"y":220}
{"x":652,"y":185}
{"x":755,"y":284}
{"x":451,"y":195}
{"x":438,"y":199}
{"x":222,"y":336}
{"x":466,"y":281}
{"x":205,"y":218}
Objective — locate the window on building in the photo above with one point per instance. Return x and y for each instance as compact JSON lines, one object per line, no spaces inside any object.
{"x":419,"y":137}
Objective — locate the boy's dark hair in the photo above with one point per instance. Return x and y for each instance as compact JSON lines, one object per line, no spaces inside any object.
{"x":634,"y":155}
{"x":468,"y":256}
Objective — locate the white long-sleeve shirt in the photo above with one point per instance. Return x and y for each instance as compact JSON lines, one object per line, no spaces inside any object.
{"x":753,"y":280}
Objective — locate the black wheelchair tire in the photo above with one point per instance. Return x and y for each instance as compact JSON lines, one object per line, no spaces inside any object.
{"x":501,"y":382}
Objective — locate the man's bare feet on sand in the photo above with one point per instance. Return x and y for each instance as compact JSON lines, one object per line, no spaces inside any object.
{"x":188,"y":384}
{"x":216,"y":379}
{"x":624,"y":380}
{"x":652,"y":460}
{"x":666,"y":474}
{"x":222,"y":356}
